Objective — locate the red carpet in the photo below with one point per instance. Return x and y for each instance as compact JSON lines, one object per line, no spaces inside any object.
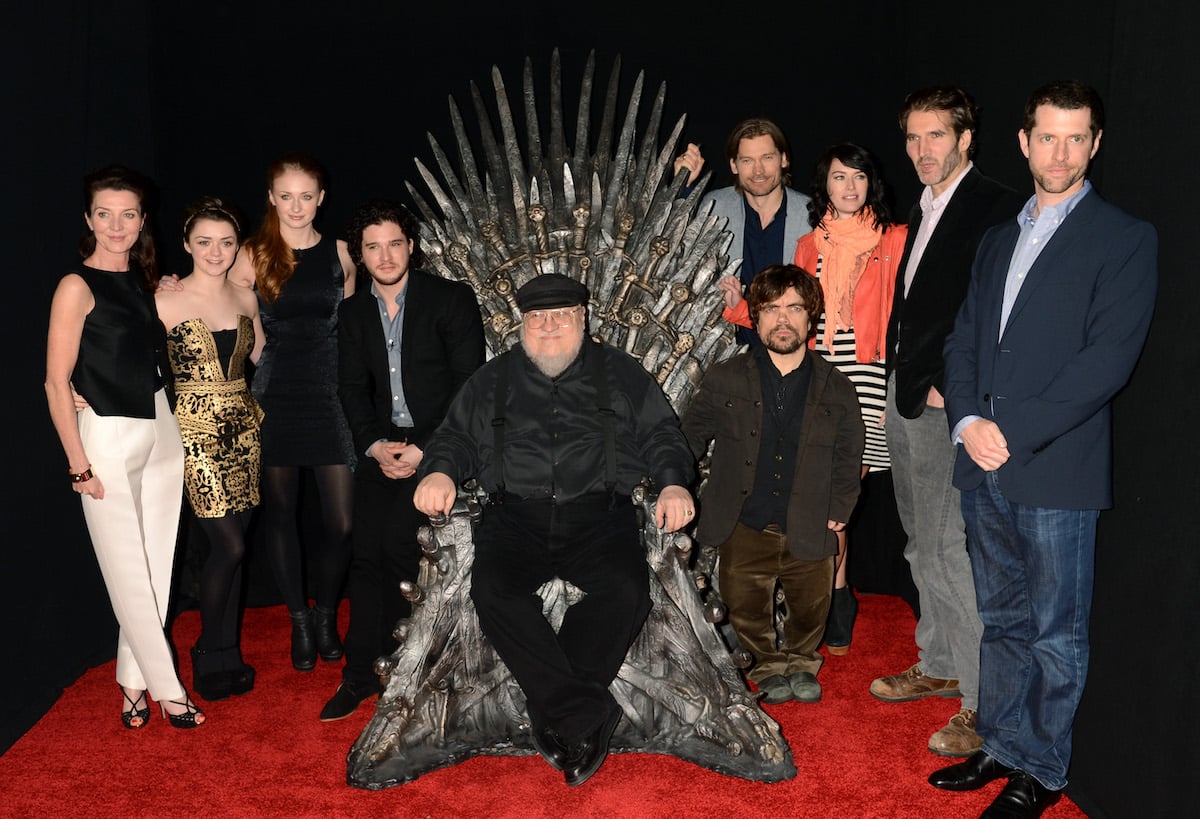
{"x":266,"y":754}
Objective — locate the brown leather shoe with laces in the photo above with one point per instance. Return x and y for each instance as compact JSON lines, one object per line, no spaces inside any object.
{"x":913,"y":684}
{"x":958,"y":738}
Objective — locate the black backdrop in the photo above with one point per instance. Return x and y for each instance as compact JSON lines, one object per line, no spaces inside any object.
{"x":203,"y":96}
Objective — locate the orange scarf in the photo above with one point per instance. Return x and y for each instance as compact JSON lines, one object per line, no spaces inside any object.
{"x":845,"y":247}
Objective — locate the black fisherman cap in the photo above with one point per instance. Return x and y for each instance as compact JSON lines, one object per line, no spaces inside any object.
{"x":551,"y":290}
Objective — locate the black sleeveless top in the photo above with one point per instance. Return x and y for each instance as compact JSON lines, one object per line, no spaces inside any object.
{"x":123,"y":341}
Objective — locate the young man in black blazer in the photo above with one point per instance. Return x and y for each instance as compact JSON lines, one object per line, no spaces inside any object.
{"x":405,"y":346}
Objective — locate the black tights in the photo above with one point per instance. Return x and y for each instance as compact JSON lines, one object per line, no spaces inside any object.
{"x":221,"y":580}
{"x":281,"y":488}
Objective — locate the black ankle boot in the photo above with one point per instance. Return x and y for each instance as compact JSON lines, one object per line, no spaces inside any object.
{"x":241,"y":675}
{"x":325,"y":630}
{"x":209,"y":679}
{"x":843,"y":609}
{"x":304,"y":647}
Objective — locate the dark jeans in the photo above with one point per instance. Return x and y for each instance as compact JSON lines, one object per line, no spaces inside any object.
{"x":1034,"y":570}
{"x":384,"y":552}
{"x":521,"y":545}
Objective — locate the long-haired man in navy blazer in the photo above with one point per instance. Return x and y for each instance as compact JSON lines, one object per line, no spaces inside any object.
{"x":1058,"y":308}
{"x":405,"y":346}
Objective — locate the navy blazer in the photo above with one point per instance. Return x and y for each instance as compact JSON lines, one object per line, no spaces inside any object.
{"x":1073,"y":336}
{"x":920,"y":321}
{"x":441,"y":345}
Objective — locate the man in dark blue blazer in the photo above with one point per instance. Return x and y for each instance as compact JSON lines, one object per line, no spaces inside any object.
{"x":405,"y":346}
{"x":1058,"y":308}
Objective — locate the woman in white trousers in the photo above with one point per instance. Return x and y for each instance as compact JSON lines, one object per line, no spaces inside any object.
{"x":124,"y":455}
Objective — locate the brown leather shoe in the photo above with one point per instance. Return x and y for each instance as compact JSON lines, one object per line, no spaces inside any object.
{"x":958,"y":738}
{"x":913,"y":684}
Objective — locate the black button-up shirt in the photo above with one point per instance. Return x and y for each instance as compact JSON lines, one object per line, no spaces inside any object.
{"x":784,"y":398}
{"x":554,"y":444}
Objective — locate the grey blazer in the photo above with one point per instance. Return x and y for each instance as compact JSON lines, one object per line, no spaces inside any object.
{"x":729,"y":203}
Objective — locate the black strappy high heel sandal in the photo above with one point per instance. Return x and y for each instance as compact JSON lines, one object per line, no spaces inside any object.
{"x":190,"y":718}
{"x":135,"y":717}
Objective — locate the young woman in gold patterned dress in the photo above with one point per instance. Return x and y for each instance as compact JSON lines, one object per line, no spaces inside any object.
{"x":213,"y":327}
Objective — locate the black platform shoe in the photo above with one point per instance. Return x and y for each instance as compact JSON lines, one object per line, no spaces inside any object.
{"x":843,"y":610}
{"x":241,"y":675}
{"x":304,"y":647}
{"x":329,"y":646}
{"x":209,"y":679}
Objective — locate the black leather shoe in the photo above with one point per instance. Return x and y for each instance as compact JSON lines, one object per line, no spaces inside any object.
{"x":329,"y":645}
{"x":550,"y":745}
{"x":979,"y":769}
{"x":586,"y":756}
{"x":1022,"y":797}
{"x":304,"y":647}
{"x":345,"y":701}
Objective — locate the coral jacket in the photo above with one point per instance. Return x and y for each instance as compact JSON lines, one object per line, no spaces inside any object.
{"x":872,"y":297}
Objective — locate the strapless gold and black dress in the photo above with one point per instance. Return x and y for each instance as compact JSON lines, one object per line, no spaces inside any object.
{"x":219,"y":420}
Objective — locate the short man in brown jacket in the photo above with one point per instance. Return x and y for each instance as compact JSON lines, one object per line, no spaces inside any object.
{"x":784,"y":479}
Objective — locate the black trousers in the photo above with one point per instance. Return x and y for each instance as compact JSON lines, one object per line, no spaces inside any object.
{"x":384,"y":551}
{"x":594,"y":544}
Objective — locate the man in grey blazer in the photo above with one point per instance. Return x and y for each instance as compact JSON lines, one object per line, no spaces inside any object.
{"x":765,"y":216}
{"x":1059,"y":306}
{"x":958,"y":204}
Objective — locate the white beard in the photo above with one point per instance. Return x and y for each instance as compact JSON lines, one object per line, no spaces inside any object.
{"x":552,"y":366}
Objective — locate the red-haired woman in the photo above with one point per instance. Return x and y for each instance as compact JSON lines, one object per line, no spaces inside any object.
{"x":301,"y":276}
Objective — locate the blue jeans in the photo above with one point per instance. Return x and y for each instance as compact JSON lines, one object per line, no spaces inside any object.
{"x":930,"y":509}
{"x":1034,"y":570}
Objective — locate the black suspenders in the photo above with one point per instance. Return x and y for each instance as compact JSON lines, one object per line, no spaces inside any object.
{"x":598,"y":376}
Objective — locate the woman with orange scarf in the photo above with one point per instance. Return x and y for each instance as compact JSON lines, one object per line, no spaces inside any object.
{"x":854,"y":250}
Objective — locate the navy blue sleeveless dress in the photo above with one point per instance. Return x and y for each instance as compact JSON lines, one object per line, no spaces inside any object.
{"x":296,"y":378}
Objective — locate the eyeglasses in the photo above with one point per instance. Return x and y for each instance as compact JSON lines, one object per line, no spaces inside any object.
{"x":562,"y":317}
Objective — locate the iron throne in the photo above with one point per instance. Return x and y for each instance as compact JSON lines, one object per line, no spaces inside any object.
{"x":613,"y":220}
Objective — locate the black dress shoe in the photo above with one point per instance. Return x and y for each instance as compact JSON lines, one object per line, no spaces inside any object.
{"x":1022,"y":797}
{"x":587,"y":755}
{"x":550,"y":745}
{"x":979,"y":769}
{"x":346,"y":700}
